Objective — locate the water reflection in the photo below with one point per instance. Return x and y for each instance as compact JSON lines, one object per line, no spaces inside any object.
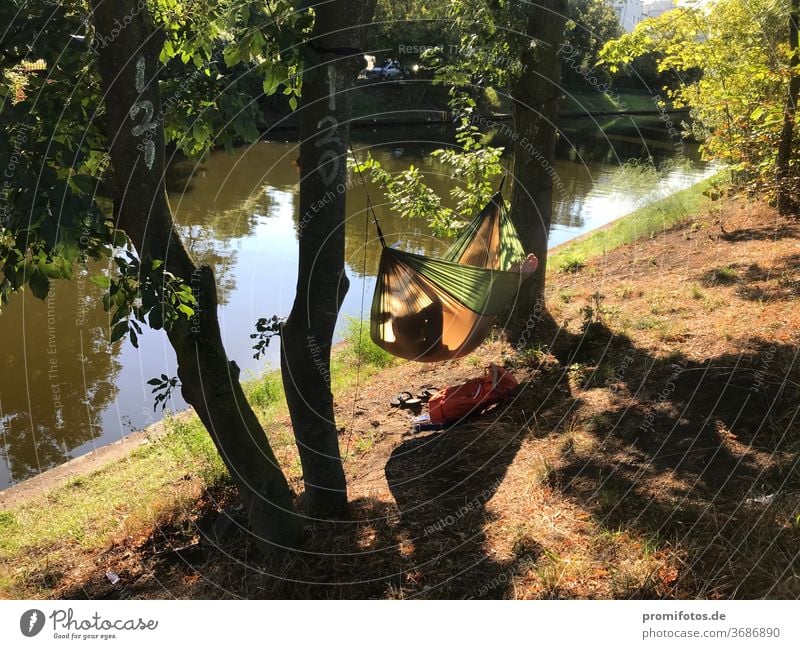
{"x":238,"y":213}
{"x":59,"y":375}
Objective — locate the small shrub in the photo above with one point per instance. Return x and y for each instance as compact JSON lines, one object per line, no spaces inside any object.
{"x":711,"y":304}
{"x":624,"y":291}
{"x":364,"y":444}
{"x":722,"y":275}
{"x":647,"y":323}
{"x":571,"y":263}
{"x":532,"y":355}
{"x":726,"y":274}
{"x":7,"y":521}
{"x":266,"y":390}
{"x":359,"y":348}
{"x":578,"y":372}
{"x":77,"y":482}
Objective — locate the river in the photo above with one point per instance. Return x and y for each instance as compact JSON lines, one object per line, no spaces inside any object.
{"x":66,"y":390}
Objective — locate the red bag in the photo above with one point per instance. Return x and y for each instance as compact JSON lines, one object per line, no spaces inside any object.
{"x":457,"y":401}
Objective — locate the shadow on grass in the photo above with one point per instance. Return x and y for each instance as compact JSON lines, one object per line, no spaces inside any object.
{"x":700,"y":456}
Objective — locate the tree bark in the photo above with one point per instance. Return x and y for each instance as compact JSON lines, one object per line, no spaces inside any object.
{"x":128,"y":63}
{"x":786,"y":188}
{"x":306,"y":337}
{"x":535,"y":97}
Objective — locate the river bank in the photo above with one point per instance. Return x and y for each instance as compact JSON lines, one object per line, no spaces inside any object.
{"x":645,"y":222}
{"x":418,"y":102}
{"x":600,"y":480}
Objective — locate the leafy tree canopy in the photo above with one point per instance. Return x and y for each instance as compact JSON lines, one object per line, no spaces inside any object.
{"x":55,"y":198}
{"x":590,"y":25}
{"x":732,"y":65}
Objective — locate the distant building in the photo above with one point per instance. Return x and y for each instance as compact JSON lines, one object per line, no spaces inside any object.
{"x":632,"y":12}
{"x":657,"y":7}
{"x":629,"y":12}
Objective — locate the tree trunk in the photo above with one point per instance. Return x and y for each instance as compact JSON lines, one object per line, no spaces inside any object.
{"x":128,"y":63}
{"x":535,"y":97}
{"x":786,"y":187}
{"x":306,"y":337}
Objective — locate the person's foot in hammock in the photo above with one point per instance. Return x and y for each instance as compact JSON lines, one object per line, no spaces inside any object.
{"x":528,"y":265}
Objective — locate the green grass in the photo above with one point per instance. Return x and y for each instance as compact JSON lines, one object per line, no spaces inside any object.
{"x":265,"y":391}
{"x":48,"y":535}
{"x":566,"y":295}
{"x":359,"y":348}
{"x":570,"y":263}
{"x":722,"y":275}
{"x":372,"y":99}
{"x":696,"y":292}
{"x":641,"y":224}
{"x":623,"y":291}
{"x":88,"y":513}
{"x":473,"y":360}
{"x":648,"y":323}
{"x":582,"y":101}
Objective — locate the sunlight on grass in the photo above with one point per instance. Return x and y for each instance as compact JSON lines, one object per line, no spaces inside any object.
{"x":46,"y":536}
{"x":571,"y":263}
{"x":121,"y":499}
{"x":359,"y":348}
{"x":641,"y":224}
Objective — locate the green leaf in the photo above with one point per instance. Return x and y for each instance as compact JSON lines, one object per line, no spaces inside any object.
{"x":232,"y":56}
{"x":199,"y":132}
{"x":101,"y":280}
{"x":40,"y":284}
{"x":156,"y":318}
{"x":249,"y":131}
{"x":270,"y":85}
{"x":119,"y":330}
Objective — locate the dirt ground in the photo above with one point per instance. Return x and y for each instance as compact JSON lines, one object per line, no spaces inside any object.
{"x":651,"y":452}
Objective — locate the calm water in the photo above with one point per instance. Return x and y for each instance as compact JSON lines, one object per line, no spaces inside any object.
{"x":67,"y":391}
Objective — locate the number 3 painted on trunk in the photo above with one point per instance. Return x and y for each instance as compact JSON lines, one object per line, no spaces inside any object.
{"x":147,"y":126}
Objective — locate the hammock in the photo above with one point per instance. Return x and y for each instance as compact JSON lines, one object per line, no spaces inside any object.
{"x":427,"y":309}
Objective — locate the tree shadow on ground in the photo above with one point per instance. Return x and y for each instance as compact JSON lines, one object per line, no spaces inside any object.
{"x":765,"y":233}
{"x":442,"y":483}
{"x":429,"y":542}
{"x":779,"y":283}
{"x":698,"y":458}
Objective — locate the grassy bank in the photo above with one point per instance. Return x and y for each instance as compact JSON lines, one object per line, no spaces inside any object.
{"x":389,"y":98}
{"x":593,"y":102}
{"x":44,"y":539}
{"x":420,"y":100}
{"x":643,"y":223}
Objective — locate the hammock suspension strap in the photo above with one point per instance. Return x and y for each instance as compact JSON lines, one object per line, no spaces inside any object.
{"x":366,"y":193}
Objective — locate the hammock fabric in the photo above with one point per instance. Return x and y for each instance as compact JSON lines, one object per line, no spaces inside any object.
{"x":427,"y":309}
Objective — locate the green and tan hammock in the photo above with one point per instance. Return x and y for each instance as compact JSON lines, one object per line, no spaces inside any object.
{"x":427,"y":309}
